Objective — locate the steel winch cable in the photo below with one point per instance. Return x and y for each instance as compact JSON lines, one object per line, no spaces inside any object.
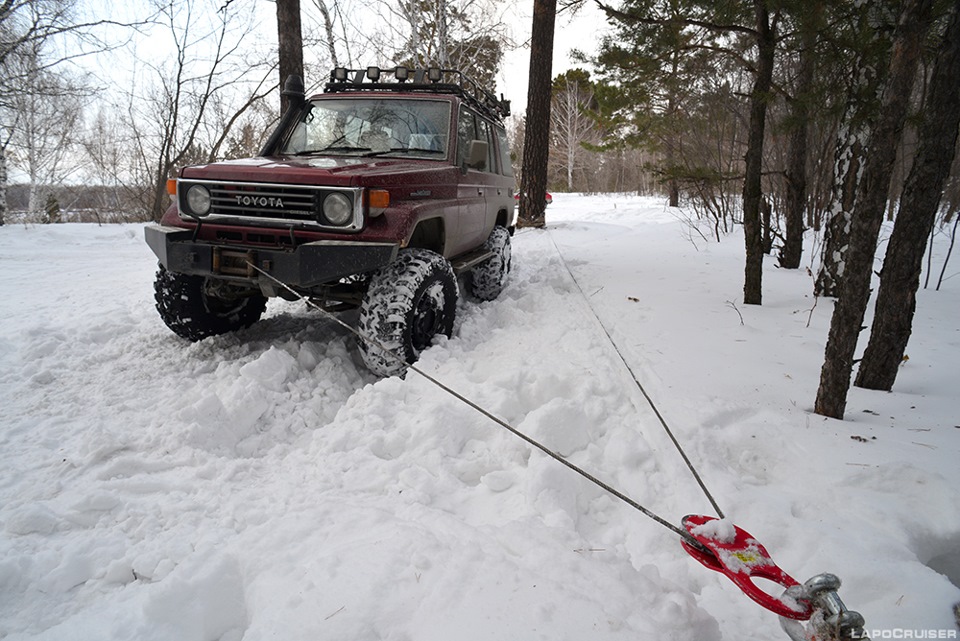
{"x":686,"y":536}
{"x":820,"y":591}
{"x":653,"y":406}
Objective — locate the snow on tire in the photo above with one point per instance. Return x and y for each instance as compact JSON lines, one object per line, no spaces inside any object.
{"x":188,"y":310}
{"x":490,"y":277}
{"x":408,"y":303}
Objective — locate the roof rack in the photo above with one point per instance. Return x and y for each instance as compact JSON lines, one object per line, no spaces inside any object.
{"x":430,"y":80}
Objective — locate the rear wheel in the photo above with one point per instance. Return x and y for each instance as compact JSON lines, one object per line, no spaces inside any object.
{"x":409,"y":302}
{"x":196,"y":307}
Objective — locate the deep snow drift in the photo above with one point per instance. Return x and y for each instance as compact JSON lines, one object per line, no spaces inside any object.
{"x":264,"y":486}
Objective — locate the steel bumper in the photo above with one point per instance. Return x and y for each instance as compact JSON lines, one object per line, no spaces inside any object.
{"x":305,"y":266}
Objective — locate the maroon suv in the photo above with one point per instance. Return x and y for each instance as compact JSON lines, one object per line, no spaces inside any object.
{"x":375,"y":194}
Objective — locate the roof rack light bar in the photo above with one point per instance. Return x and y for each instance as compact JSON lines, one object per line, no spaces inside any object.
{"x":429,"y":80}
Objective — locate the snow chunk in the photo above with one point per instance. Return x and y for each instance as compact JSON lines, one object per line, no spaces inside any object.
{"x":272,"y":369}
{"x":35,"y":518}
{"x":721,"y":530}
{"x":203,"y":601}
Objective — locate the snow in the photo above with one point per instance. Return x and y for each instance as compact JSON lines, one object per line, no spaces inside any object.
{"x":721,"y":530}
{"x":263,"y":485}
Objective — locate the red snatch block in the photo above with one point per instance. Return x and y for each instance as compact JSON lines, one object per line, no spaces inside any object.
{"x":735,"y":553}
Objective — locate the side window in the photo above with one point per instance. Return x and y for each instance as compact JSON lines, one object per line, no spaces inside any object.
{"x":473,"y":127}
{"x":506,"y":167}
{"x":466,"y":131}
{"x":485,"y":132}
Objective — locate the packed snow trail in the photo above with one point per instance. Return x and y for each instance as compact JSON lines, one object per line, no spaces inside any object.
{"x":263,"y":485}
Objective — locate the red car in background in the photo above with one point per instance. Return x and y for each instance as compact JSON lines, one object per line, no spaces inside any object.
{"x":549,"y":197}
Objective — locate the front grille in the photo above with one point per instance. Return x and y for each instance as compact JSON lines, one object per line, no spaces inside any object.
{"x":271,"y":204}
{"x":264,"y":201}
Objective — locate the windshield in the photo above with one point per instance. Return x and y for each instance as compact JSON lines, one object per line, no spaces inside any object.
{"x":371,"y":127}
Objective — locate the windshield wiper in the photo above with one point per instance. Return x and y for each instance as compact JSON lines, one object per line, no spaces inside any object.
{"x":314,"y":152}
{"x":403,"y":150}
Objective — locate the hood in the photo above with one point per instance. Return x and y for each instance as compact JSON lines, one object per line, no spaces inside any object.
{"x":338,"y":170}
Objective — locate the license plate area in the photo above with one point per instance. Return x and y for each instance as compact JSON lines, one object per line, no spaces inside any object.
{"x":232,"y":262}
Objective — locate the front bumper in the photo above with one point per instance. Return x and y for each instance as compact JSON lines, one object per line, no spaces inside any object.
{"x":305,"y":266}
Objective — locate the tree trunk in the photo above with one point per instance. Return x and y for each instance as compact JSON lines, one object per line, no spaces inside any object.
{"x":847,"y":320}
{"x":3,"y":186}
{"x":752,"y":188}
{"x":290,"y":44}
{"x":328,"y":31}
{"x":796,"y":198}
{"x":672,"y":142}
{"x":766,"y":213}
{"x":536,"y":144}
{"x":900,"y":278}
{"x":868,"y":73}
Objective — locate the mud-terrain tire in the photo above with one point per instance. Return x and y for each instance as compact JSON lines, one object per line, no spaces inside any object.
{"x":192,"y":313}
{"x":408,"y":303}
{"x":489,"y":278}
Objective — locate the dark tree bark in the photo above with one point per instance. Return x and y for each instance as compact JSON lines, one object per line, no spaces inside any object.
{"x":752,"y":188}
{"x":290,"y":39}
{"x":796,"y":197}
{"x":536,"y":143}
{"x":847,"y":320}
{"x":900,"y":278}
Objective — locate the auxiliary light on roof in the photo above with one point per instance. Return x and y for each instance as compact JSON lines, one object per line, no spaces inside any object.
{"x":406,"y":80}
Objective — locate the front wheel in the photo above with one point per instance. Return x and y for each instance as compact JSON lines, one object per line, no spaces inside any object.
{"x":408,"y":303}
{"x":195,"y":307}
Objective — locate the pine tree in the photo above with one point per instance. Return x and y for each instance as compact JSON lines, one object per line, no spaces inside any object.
{"x":536,"y":145}
{"x":900,"y":277}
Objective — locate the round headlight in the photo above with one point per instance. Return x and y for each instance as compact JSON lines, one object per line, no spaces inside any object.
{"x":337,"y":209}
{"x":198,"y":200}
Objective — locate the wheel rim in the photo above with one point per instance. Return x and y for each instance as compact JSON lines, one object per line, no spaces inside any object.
{"x":427,"y":317}
{"x":219,"y":306}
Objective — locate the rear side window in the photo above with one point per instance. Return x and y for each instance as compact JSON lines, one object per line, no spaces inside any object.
{"x":485,"y":132}
{"x":506,"y":167}
{"x":466,"y":131}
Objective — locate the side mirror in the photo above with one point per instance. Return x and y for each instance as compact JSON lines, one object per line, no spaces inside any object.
{"x":476,"y":157}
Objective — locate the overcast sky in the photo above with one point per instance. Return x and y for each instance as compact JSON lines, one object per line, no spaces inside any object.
{"x":581,"y":31}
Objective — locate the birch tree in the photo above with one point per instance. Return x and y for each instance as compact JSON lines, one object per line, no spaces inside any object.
{"x":47,"y":122}
{"x":863,"y":35}
{"x":173,"y":112}
{"x":468,"y":35}
{"x":571,"y":125}
{"x":872,"y":189}
{"x":27,"y":29}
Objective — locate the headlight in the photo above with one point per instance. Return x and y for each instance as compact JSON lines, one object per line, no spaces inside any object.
{"x":198,"y":200}
{"x":337,"y":209}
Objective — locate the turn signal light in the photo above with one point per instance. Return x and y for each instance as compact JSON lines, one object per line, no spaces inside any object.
{"x":378,"y":200}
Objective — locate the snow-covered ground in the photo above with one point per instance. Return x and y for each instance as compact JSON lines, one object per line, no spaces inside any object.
{"x":264,"y":486}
